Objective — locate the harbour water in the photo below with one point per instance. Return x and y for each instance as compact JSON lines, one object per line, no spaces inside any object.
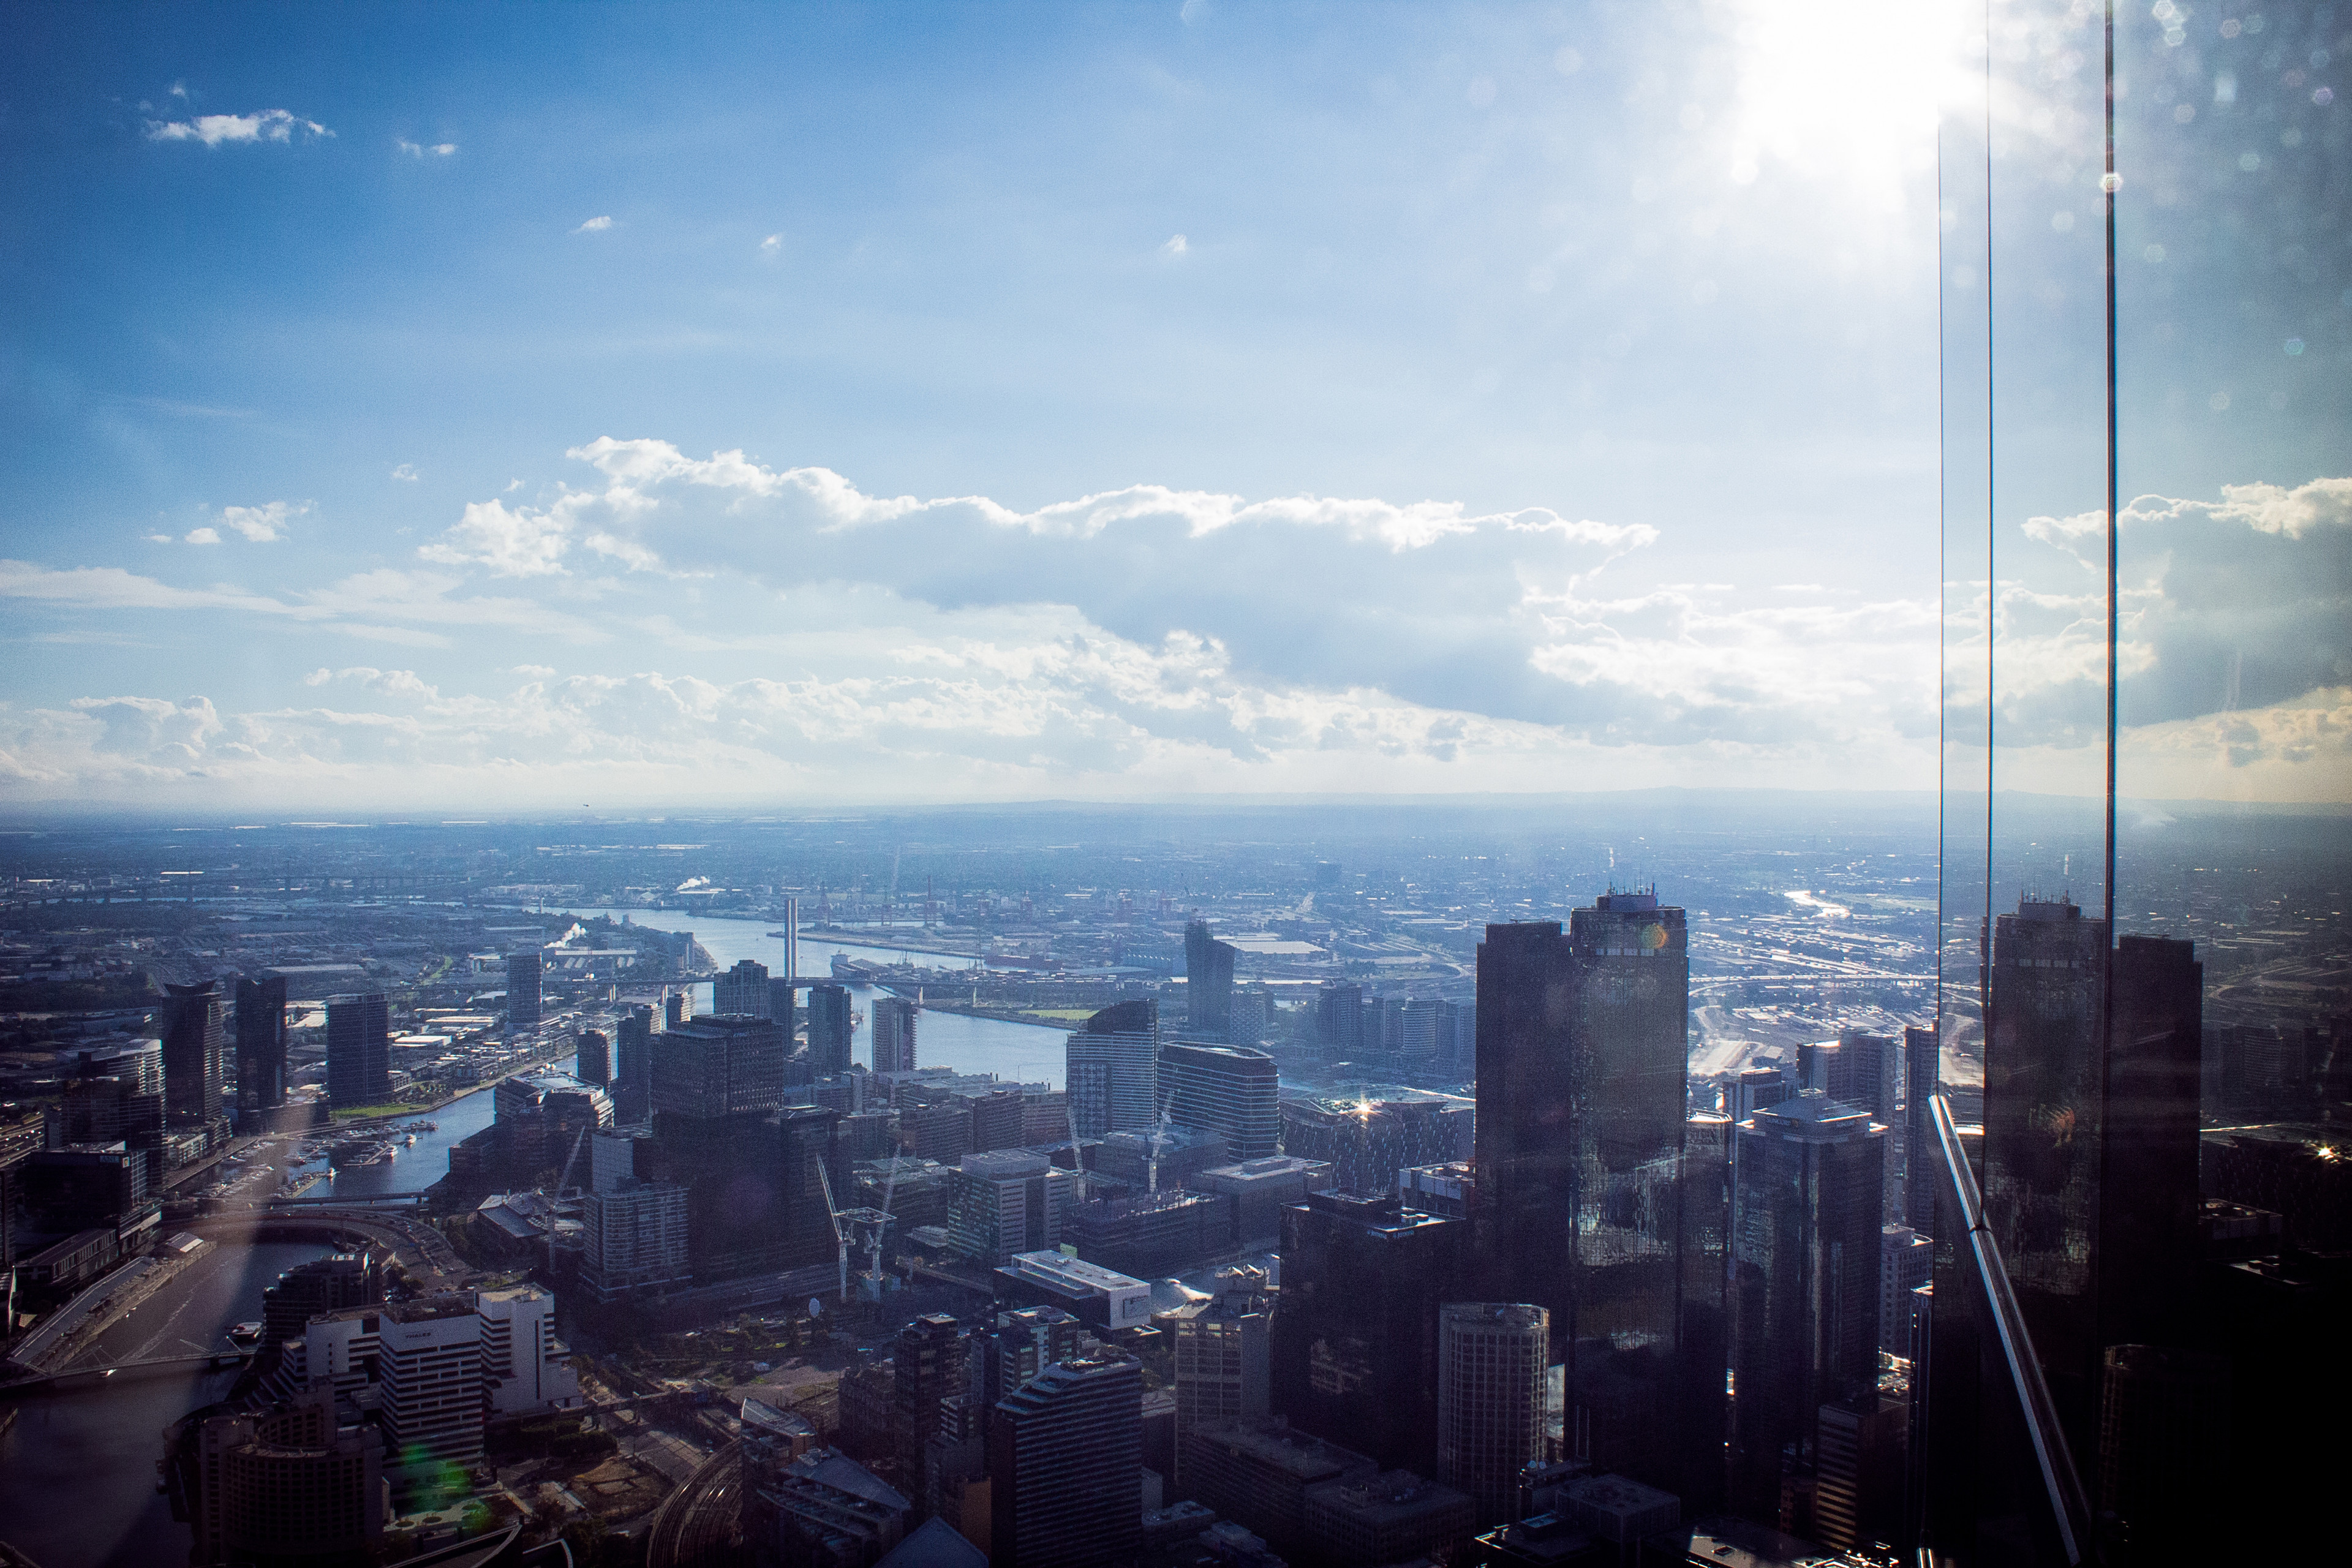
{"x":1024,"y":1053}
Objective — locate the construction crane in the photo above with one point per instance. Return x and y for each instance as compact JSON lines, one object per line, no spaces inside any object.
{"x":858,"y":1227}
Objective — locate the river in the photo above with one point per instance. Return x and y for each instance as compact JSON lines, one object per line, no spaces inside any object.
{"x":1023,"y":1053}
{"x":78,"y":1469}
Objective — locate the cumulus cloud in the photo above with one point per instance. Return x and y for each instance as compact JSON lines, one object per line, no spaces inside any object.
{"x":421,"y":150}
{"x":772,"y":245}
{"x":596,"y":224}
{"x":406,"y":471}
{"x":2225,"y":606}
{"x":204,"y":536}
{"x":214,"y":130}
{"x":1176,"y":245}
{"x":263,"y":524}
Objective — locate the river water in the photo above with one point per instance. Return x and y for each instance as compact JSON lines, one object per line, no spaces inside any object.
{"x":78,"y":1469}
{"x":1023,"y":1053}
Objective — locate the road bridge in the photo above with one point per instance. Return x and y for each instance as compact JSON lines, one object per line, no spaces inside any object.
{"x":74,"y":1377}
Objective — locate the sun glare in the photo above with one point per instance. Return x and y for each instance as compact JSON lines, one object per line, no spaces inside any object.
{"x":1845,"y":90}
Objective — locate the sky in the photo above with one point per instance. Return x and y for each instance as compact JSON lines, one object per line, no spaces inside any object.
{"x":629,"y":407}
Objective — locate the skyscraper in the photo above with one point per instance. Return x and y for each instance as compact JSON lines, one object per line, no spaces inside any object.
{"x":783,"y":1004}
{"x":894,"y":1034}
{"x":1227,"y":1089}
{"x":1355,"y":1340}
{"x":1340,"y":1020}
{"x":933,"y":1353}
{"x":595,"y":1064}
{"x":830,"y":1033}
{"x":724,"y":1064}
{"x":1066,"y":1454}
{"x":1922,"y":1081}
{"x":788,"y":931}
{"x":522,"y":990}
{"x":359,"y":1050}
{"x":1805,"y":1258}
{"x":742,"y":990}
{"x":1491,"y":1358}
{"x":1208,"y":983}
{"x":2043,"y":1134}
{"x":192,"y":1052}
{"x":633,"y":1067}
{"x":1113,"y":1071}
{"x":2148,"y":1196}
{"x":260,"y":1043}
{"x":1581,"y":1063}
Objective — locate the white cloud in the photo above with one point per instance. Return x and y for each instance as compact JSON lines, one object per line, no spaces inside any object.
{"x":213,"y":130}
{"x":518,"y":541}
{"x":405,"y":472}
{"x":595,"y":226}
{"x":420,"y":149}
{"x":261,"y":524}
{"x":770,"y":246}
{"x":1175,"y":245}
{"x":204,"y":536}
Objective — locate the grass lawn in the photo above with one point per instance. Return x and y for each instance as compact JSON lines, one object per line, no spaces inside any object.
{"x":1063,"y":1014}
{"x":389,"y":1108}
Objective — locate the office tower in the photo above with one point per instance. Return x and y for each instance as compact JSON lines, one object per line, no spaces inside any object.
{"x":1223,"y":1350}
{"x":894,"y":1034}
{"x":808,"y":1157}
{"x":724,"y":1064}
{"x":260,"y":1043}
{"x":1066,"y":1456}
{"x":595,"y":1059}
{"x":1366,"y":1143}
{"x":676,"y":1007}
{"x":829,"y":1029}
{"x":1582,"y":1056}
{"x":192,"y":1052}
{"x":1253,"y":1015}
{"x":429,"y":1384}
{"x":1805,"y":1251}
{"x":2164,"y":1439}
{"x":940,"y":1133}
{"x":289,"y":1483}
{"x":1355,"y":1344}
{"x":1907,"y":1260}
{"x":1258,"y":1191}
{"x":1228,"y":1089}
{"x":1208,"y":983}
{"x":2148,"y":1198}
{"x":788,"y":932}
{"x":1025,"y":1343}
{"x":1340,"y":1020}
{"x":138,"y":1063}
{"x":315,"y":1288}
{"x":633,"y":1067}
{"x":111,"y":1110}
{"x":525,"y":1367}
{"x":524,"y":971}
{"x":1393,"y":1518}
{"x":822,"y":1508}
{"x":359,"y":1050}
{"x":1258,"y":1473}
{"x":1006,"y":1202}
{"x":933,"y":1355}
{"x":1491,"y":1358}
{"x":784,"y":1004}
{"x":997,"y":1119}
{"x":743,"y":990}
{"x":1703,"y":1414}
{"x":1113,"y":1071}
{"x":83,"y":1186}
{"x":1922,"y":1081}
{"x":633,"y":1236}
{"x":1858,"y":1471}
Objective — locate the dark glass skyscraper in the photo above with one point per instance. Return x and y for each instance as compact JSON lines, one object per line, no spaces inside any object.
{"x":193,"y":1036}
{"x":261,"y":1042}
{"x":1208,"y":983}
{"x":2043,"y":1126}
{"x":633,"y":1067}
{"x":359,"y":1050}
{"x":1922,"y":1081}
{"x":524,"y":971}
{"x":829,"y":1030}
{"x":1805,"y":1252}
{"x":1066,"y":1460}
{"x":1112,"y":1070}
{"x":1355,"y":1338}
{"x":1581,"y":1070}
{"x":595,"y":1058}
{"x":1227,"y":1089}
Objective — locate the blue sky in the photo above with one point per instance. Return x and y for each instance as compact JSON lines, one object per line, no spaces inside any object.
{"x":659,"y":405}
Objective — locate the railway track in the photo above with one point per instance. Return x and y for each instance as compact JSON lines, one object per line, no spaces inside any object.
{"x":696,"y":1525}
